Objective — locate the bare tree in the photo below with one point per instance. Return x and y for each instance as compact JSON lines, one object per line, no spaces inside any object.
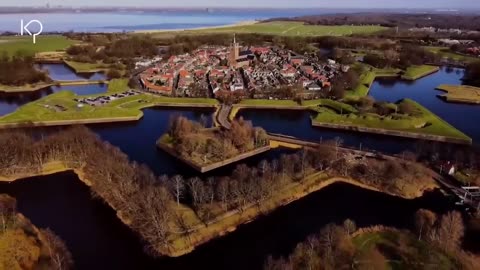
{"x":177,"y":186}
{"x":60,"y":256}
{"x":451,"y":231}
{"x":195,"y":185}
{"x":424,"y":222}
{"x":349,"y":226}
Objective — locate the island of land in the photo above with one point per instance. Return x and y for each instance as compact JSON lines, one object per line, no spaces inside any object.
{"x":460,"y":93}
{"x":206,"y":149}
{"x":218,"y":205}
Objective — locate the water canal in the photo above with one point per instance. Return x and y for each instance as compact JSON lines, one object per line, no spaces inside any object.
{"x":462,"y":116}
{"x":98,"y":240}
{"x":9,"y":102}
{"x":61,"y":72}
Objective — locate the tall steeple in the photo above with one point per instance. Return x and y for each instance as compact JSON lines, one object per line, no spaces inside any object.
{"x":234,"y":52}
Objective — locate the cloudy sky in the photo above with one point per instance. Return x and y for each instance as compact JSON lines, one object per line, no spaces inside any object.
{"x":437,"y":4}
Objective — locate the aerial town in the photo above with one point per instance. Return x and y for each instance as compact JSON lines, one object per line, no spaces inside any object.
{"x":236,"y":68}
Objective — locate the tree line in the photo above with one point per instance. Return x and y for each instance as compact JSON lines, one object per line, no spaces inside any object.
{"x":20,"y":70}
{"x":334,"y":247}
{"x":442,"y":21}
{"x":148,"y":204}
{"x":25,"y":247}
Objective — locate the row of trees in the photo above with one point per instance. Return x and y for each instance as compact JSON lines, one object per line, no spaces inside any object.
{"x":117,"y":49}
{"x":23,"y":247}
{"x":369,"y":105}
{"x":407,"y":56}
{"x":148,"y":203}
{"x":333,"y":247}
{"x":443,"y":21}
{"x":19,"y":70}
{"x":472,"y":74}
{"x":192,"y":141}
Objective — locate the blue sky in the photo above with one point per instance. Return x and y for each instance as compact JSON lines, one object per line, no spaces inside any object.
{"x":436,"y":4}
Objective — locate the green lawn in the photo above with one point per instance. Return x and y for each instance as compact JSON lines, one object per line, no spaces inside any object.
{"x":12,"y":45}
{"x":366,"y":81}
{"x":87,"y":67}
{"x":446,"y":53}
{"x":416,"y":72}
{"x":461,"y":93}
{"x":425,"y":122}
{"x":42,"y":110}
{"x":286,"y":28}
{"x":402,"y":250}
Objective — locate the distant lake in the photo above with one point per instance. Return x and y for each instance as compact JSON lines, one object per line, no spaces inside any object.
{"x":136,"y":20}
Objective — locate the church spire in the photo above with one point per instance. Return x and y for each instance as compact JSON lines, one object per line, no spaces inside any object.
{"x":234,"y":39}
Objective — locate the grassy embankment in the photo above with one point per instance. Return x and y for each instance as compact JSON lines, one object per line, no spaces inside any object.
{"x":460,"y":93}
{"x":422,"y":122}
{"x":368,"y":77}
{"x":43,"y":110}
{"x":284,"y":28}
{"x":80,"y":67}
{"x":25,"y":46}
{"x":445,"y":52}
{"x":416,"y":72}
{"x":401,"y":249}
{"x":344,"y":115}
{"x":226,"y":222}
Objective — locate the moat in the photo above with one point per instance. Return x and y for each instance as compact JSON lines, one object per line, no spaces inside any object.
{"x":65,"y":204}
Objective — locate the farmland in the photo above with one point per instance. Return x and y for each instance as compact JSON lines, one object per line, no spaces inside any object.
{"x":285,"y":28}
{"x":25,"y":46}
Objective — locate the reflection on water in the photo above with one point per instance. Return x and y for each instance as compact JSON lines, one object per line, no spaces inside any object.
{"x":98,"y":240}
{"x":9,"y":102}
{"x":462,"y":116}
{"x":137,"y":139}
{"x":61,"y":72}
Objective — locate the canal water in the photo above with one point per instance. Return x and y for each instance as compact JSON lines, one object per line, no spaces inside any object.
{"x":461,"y":116}
{"x":98,"y":240}
{"x":61,"y":72}
{"x":9,"y":102}
{"x":137,"y":139}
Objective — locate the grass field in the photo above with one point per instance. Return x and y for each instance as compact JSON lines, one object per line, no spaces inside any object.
{"x":446,"y":53}
{"x":285,"y":28}
{"x":416,"y":72}
{"x":460,"y":93}
{"x":25,"y":46}
{"x":425,"y":122}
{"x":87,"y":67}
{"x":42,"y":110}
{"x":402,"y":250}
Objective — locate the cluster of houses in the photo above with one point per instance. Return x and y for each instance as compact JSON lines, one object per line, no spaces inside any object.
{"x":235,"y":68}
{"x":104,"y":99}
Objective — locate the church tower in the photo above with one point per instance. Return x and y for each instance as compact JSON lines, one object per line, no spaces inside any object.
{"x":234,"y":52}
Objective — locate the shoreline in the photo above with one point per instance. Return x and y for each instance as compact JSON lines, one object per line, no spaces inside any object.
{"x":231,"y":220}
{"x":212,"y":166}
{"x":154,"y":31}
{"x":35,"y":88}
{"x":353,"y":128}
